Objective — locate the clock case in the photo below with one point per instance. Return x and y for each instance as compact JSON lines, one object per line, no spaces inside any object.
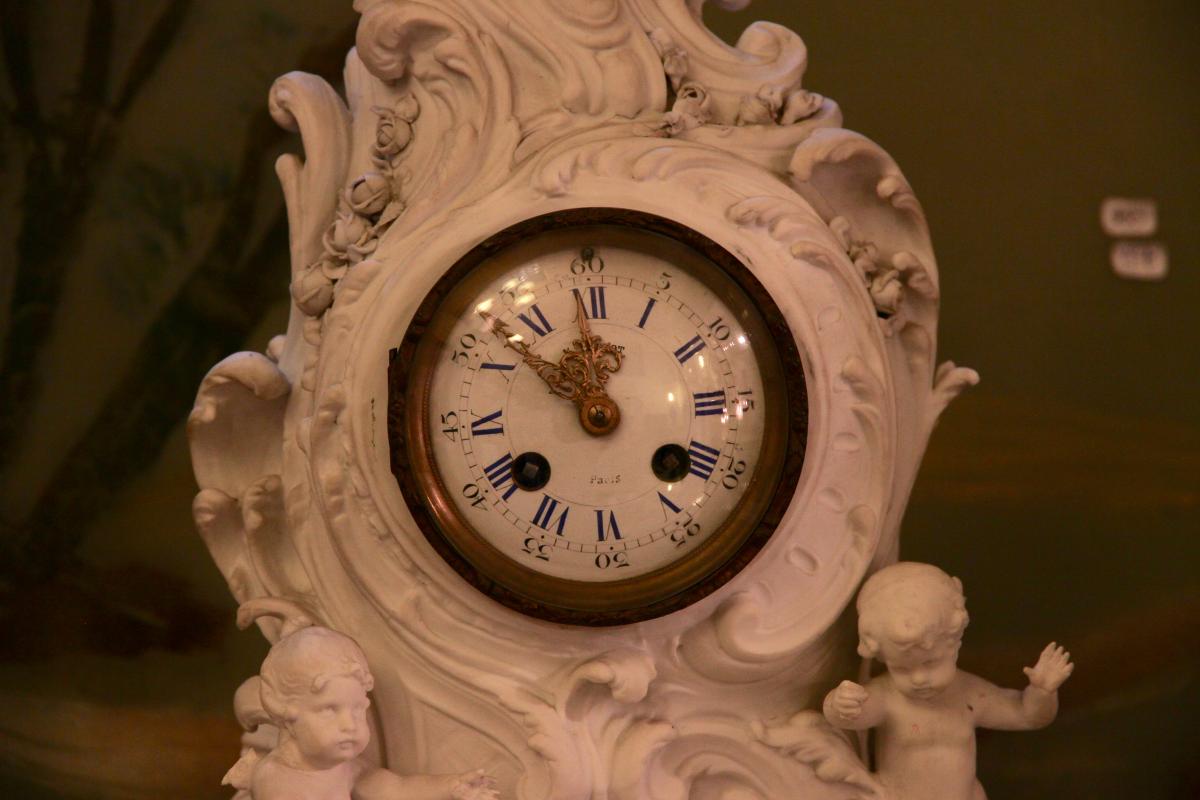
{"x":462,"y":119}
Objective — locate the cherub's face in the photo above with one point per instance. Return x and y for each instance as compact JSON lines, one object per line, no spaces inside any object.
{"x":330,"y":726}
{"x":922,"y":672}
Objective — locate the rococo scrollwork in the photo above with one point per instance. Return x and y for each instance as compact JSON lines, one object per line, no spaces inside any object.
{"x":463,"y":118}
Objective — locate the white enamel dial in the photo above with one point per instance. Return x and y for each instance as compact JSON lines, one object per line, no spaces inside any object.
{"x":599,"y":413}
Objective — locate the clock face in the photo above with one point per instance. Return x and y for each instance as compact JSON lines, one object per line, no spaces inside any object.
{"x":596,"y":417}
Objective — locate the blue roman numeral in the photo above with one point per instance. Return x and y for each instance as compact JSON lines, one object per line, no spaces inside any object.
{"x":693,"y":346}
{"x":539,"y":330}
{"x":602,"y":531}
{"x":490,"y":365}
{"x":544,"y":517}
{"x":499,"y":473}
{"x":666,"y":501}
{"x":646,"y":313}
{"x":480,"y":426}
{"x":704,"y":460}
{"x":596,"y":306}
{"x":709,"y":403}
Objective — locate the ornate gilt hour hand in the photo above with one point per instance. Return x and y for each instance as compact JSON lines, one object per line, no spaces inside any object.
{"x":580,"y":374}
{"x":598,"y":413}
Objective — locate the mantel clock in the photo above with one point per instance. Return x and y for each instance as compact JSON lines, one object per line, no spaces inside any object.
{"x":609,"y":367}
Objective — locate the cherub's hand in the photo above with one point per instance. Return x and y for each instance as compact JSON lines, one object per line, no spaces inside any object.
{"x":1053,"y":667}
{"x":848,"y":700}
{"x":475,"y":786}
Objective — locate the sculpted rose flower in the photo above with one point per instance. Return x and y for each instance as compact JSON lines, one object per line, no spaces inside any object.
{"x":333,"y":266}
{"x":407,"y":108}
{"x":361,"y":249}
{"x":391,"y":135}
{"x":887,"y":291}
{"x":692,"y":101}
{"x":675,"y":64}
{"x":312,"y":291}
{"x":369,"y":194}
{"x":349,"y":229}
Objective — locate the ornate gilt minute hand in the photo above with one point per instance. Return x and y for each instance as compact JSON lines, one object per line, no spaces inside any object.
{"x":580,"y":374}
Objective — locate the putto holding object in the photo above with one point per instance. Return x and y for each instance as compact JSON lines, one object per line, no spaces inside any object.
{"x":911,"y":617}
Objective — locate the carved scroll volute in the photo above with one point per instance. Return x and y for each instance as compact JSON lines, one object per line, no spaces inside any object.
{"x":768,"y":61}
{"x":236,"y":436}
{"x":464,"y":139}
{"x":865,"y":199}
{"x":309,"y":105}
{"x":498,"y":80}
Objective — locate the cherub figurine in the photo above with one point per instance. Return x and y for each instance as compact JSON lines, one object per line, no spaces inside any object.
{"x":911,"y":616}
{"x":313,"y":687}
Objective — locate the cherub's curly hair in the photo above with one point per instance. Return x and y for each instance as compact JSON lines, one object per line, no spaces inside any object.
{"x":304,"y":662}
{"x":909,"y":604}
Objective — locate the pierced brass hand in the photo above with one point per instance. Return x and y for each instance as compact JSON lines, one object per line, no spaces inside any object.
{"x":554,"y":375}
{"x":580,"y":374}
{"x":598,"y":413}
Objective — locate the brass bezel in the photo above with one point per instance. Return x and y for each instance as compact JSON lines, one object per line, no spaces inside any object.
{"x":710,"y":564}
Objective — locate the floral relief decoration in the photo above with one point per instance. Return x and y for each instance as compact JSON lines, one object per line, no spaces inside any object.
{"x":366,"y":208}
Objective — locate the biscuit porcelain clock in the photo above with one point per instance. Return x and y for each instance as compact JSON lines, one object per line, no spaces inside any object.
{"x":609,"y":368}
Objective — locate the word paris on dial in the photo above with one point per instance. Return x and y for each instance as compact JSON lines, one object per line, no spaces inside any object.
{"x":598,"y":416}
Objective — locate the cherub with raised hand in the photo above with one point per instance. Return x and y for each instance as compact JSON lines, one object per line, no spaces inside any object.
{"x":313,"y":687}
{"x":911,"y":617}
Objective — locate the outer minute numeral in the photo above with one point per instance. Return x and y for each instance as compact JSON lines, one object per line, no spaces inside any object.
{"x":708,"y":403}
{"x":733,"y":472}
{"x":719,"y":330}
{"x":463,"y":357}
{"x":588,"y":260}
{"x":534,"y":548}
{"x":450,"y":425}
{"x":618,"y":560}
{"x":681,"y":536}
{"x":473,"y":493}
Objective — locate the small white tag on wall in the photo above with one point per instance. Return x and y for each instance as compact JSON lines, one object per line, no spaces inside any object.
{"x":1129,"y":216}
{"x":1139,"y":260}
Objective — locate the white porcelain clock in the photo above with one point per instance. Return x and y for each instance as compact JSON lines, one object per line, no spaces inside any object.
{"x":609,"y":367}
{"x":592,"y":415}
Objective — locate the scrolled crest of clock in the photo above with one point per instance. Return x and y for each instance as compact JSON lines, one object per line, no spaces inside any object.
{"x":598,"y":322}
